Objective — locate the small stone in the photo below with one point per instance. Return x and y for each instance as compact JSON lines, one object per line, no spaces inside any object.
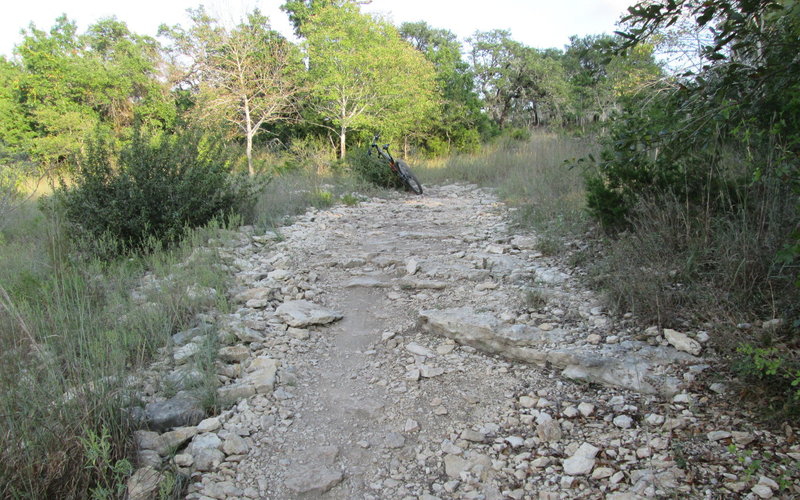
{"x":682,"y":398}
{"x":570,"y":412}
{"x":440,"y":410}
{"x":742,"y":438}
{"x":412,"y":266}
{"x":682,"y":342}
{"x":602,"y":472}
{"x":654,"y":419}
{"x":311,"y":481}
{"x":411,"y":425}
{"x":586,"y":409}
{"x":768,"y":482}
{"x":566,"y":482}
{"x":612,"y":339}
{"x":143,"y":484}
{"x":235,"y":445}
{"x":718,"y":387}
{"x":430,"y":371}
{"x":623,"y":421}
{"x":395,"y":440}
{"x":578,"y":465}
{"x":549,"y":431}
{"x":515,"y":441}
{"x":454,"y":465}
{"x":183,"y":459}
{"x":594,"y":339}
{"x":419,"y":350}
{"x":234,"y":354}
{"x":527,"y":402}
{"x":762,"y":491}
{"x":718,"y":435}
{"x":473,"y":436}
{"x":209,"y":425}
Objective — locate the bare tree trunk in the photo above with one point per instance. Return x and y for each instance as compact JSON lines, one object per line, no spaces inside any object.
{"x":249,"y":133}
{"x":342,"y":142}
{"x":250,"y":168}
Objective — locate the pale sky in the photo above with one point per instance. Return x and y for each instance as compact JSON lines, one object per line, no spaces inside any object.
{"x":537,"y":23}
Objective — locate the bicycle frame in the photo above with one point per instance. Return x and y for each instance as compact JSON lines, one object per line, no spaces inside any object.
{"x":384,"y":153}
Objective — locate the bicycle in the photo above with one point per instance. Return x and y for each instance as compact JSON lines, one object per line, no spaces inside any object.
{"x":399,"y":167}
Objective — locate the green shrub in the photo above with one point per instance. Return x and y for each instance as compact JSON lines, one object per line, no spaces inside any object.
{"x":153,"y":190}
{"x":372,"y":169}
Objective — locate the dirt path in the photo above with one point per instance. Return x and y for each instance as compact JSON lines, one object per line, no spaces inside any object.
{"x":383,"y":404}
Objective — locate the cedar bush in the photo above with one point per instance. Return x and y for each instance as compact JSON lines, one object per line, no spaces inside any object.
{"x":153,"y":190}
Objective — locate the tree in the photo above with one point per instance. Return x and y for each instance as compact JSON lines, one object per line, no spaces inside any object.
{"x":518,"y":84}
{"x":460,"y":117}
{"x":72,"y":84}
{"x":599,"y":79}
{"x":362,"y":75}
{"x":246,"y":76}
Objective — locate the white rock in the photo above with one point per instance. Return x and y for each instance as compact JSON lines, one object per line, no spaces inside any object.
{"x":682,"y":342}
{"x":515,"y":441}
{"x":412,"y":266}
{"x":419,"y":350}
{"x":623,"y":421}
{"x":718,"y":435}
{"x":302,"y":313}
{"x":654,"y":419}
{"x":578,"y":465}
{"x":762,"y":491}
{"x":586,"y":409}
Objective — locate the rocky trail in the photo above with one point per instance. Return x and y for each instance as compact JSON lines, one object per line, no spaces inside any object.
{"x":418,"y":347}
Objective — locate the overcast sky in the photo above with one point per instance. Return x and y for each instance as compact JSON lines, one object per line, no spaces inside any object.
{"x":537,"y":23}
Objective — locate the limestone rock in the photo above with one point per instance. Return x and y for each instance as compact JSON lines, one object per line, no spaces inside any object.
{"x":682,"y":342}
{"x":454,"y":465}
{"x":312,"y":481}
{"x":143,"y":484}
{"x":178,"y":411}
{"x":302,"y":313}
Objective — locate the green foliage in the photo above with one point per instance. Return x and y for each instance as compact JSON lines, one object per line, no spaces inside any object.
{"x":458,"y":125}
{"x":520,"y":86}
{"x":155,"y":188}
{"x":111,"y":474}
{"x":363,"y":76}
{"x":372,"y":169}
{"x":70,"y":84}
{"x":772,"y":367}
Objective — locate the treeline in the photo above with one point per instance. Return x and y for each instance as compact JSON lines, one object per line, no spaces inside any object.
{"x":350,"y":75}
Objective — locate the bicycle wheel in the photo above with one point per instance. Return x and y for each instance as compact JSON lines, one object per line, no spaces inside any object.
{"x":408,"y":177}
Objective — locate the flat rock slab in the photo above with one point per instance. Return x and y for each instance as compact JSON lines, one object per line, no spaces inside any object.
{"x":631,"y":365}
{"x":312,"y":481}
{"x":302,"y":313}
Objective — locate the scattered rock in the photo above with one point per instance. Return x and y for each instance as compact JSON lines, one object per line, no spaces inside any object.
{"x":302,"y":313}
{"x":312,"y":481}
{"x":682,"y":342}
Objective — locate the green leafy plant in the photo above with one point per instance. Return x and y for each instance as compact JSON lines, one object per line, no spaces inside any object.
{"x":110,"y":474}
{"x":155,"y":188}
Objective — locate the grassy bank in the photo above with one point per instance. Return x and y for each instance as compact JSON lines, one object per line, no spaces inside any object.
{"x":72,"y":331}
{"x":532,"y":176}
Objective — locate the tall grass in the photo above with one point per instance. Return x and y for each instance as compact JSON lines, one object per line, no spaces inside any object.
{"x":293,"y":192}
{"x":71,"y":334}
{"x":531,"y":175}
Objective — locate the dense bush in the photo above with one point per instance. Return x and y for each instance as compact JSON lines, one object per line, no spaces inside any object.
{"x":372,"y":169}
{"x":153,"y":189}
{"x":699,"y":182}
